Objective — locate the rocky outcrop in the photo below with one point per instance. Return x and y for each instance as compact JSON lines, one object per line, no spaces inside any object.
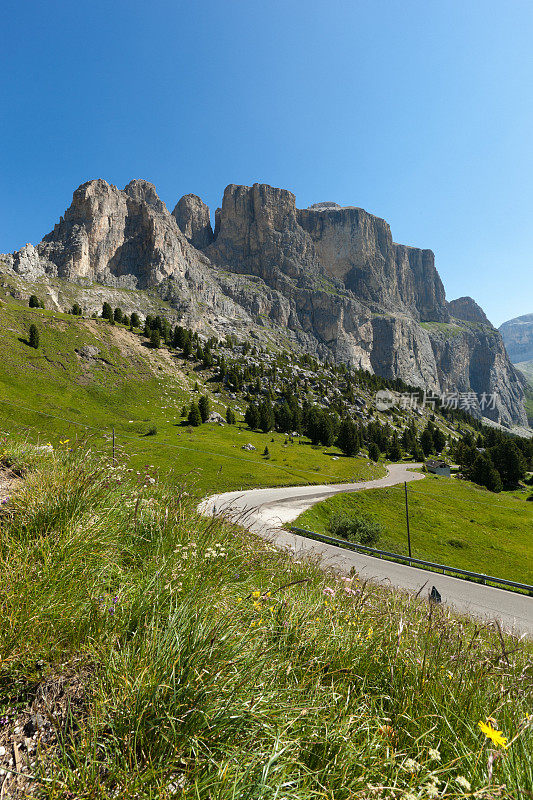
{"x":327,"y":279}
{"x":192,"y":216}
{"x":468,"y":310}
{"x":121,"y":237}
{"x":517,"y":335}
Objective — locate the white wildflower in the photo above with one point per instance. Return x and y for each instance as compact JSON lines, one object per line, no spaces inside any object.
{"x":462,"y":781}
{"x":434,"y":754}
{"x":411,"y":765}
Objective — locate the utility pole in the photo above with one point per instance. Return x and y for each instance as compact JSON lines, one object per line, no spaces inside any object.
{"x":114,"y":452}
{"x":407,"y":518}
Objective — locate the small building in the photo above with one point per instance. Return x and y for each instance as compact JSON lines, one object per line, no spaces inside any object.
{"x":438,"y":467}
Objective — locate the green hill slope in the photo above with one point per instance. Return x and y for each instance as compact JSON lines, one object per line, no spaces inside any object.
{"x":88,"y":377}
{"x":452,"y":522}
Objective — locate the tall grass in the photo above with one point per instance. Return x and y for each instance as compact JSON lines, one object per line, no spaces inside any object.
{"x":214,"y":666}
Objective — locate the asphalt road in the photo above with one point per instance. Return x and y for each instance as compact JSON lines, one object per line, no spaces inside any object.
{"x":265,"y":511}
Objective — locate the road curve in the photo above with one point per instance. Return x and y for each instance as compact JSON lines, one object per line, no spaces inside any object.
{"x":265,"y":511}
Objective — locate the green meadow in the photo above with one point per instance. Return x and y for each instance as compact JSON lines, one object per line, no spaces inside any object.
{"x":451,"y":521}
{"x":56,"y":393}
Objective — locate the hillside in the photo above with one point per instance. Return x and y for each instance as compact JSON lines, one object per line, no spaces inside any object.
{"x":451,"y":522}
{"x":327,"y":280}
{"x":146,"y":652}
{"x":88,"y":377}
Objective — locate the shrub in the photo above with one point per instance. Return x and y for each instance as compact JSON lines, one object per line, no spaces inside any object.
{"x":363,"y":529}
{"x":152,"y":430}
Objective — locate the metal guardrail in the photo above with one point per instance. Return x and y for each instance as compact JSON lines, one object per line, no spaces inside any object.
{"x":344,"y":543}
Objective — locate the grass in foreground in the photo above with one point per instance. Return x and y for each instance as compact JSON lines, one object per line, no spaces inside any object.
{"x":452,"y":522}
{"x":206,"y":664}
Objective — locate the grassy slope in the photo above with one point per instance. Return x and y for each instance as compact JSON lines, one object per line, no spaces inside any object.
{"x":203,"y":664}
{"x":452,"y":522}
{"x":137,"y":387}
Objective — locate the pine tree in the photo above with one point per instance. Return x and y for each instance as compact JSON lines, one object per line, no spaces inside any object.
{"x":118,"y":315}
{"x":348,"y":438}
{"x":483,"y":473}
{"x":326,"y":431}
{"x":204,"y":407}
{"x":266,"y":416}
{"x":266,"y":452}
{"x":439,"y":440}
{"x":34,"y":301}
{"x":107,"y":311}
{"x":251,"y":416}
{"x":230,"y":416}
{"x":194,"y":418}
{"x":509,"y":462}
{"x":155,"y":338}
{"x":187,"y":348}
{"x":426,"y":441}
{"x":135,"y":322}
{"x":34,"y":336}
{"x":373,"y":451}
{"x":394,"y":451}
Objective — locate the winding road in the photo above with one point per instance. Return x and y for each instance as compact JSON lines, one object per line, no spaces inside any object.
{"x":265,"y":511}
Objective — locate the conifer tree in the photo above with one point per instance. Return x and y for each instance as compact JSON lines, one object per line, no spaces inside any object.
{"x":194,"y":418}
{"x":34,"y":336}
{"x":348,"y":439}
{"x":204,"y":407}
{"x":251,"y":416}
{"x":373,"y":451}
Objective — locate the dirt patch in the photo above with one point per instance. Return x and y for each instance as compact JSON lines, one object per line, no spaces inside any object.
{"x":8,"y":483}
{"x":30,"y":735}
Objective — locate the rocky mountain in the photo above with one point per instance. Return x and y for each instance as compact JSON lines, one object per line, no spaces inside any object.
{"x":328,"y":279}
{"x":517,"y":335}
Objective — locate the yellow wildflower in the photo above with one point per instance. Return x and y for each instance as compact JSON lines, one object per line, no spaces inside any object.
{"x":493,"y":734}
{"x":256,"y":594}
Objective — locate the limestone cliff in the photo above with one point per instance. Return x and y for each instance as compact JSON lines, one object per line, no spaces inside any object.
{"x":517,"y":334}
{"x":328,"y":279}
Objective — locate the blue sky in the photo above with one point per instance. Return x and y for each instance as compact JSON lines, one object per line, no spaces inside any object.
{"x":420,"y":112}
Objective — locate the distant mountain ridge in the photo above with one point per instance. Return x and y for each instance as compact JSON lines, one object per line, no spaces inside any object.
{"x":517,"y":335}
{"x":327,"y":279}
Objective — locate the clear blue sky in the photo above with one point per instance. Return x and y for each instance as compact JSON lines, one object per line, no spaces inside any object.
{"x":419,"y":111}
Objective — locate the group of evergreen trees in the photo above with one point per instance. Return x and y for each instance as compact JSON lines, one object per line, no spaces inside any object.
{"x":35,"y":302}
{"x":494,"y":460}
{"x":326,"y":428}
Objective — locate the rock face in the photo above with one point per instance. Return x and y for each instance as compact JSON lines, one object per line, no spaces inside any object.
{"x":122,"y":237}
{"x":517,"y":335}
{"x":327,"y":279}
{"x":468,"y":310}
{"x":192,"y":216}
